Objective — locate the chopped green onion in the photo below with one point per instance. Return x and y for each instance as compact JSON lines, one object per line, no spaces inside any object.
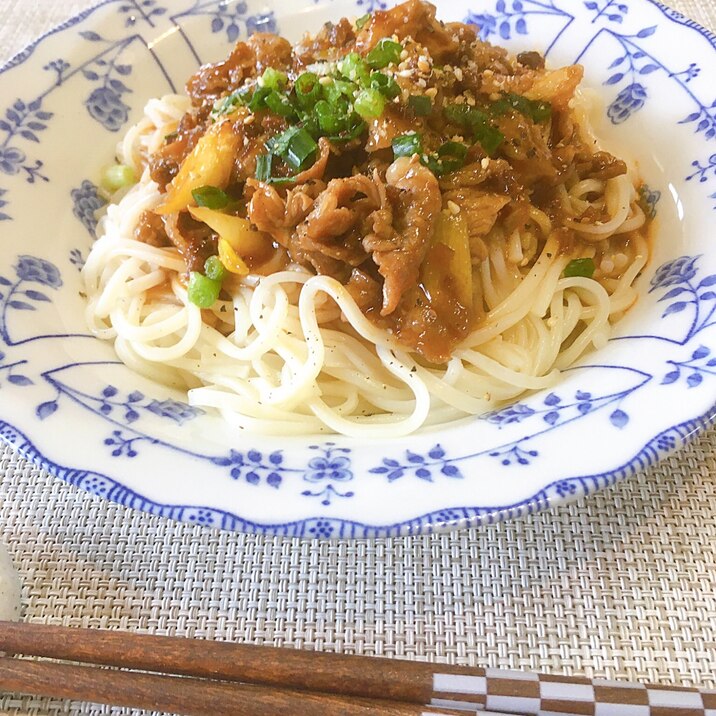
{"x":535,"y":110}
{"x":449,"y":158}
{"x":308,"y":89}
{"x":362,"y":20}
{"x":420,"y":105}
{"x":117,"y":177}
{"x":301,"y":147}
{"x":385,"y":84}
{"x":258,"y":100}
{"x":330,"y":121}
{"x":228,"y":104}
{"x":384,"y":53}
{"x":483,"y":131}
{"x":489,"y":138}
{"x":214,"y":269}
{"x":274,"y":79}
{"x":211,"y":197}
{"x":354,"y":68}
{"x":338,"y":89}
{"x":357,"y":127}
{"x":579,"y":267}
{"x":408,"y":144}
{"x":263,"y":167}
{"x":279,"y":143}
{"x":369,"y":103}
{"x":279,"y":104}
{"x":203,"y":291}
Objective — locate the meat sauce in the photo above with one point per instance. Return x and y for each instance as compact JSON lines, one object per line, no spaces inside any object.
{"x":368,"y":216}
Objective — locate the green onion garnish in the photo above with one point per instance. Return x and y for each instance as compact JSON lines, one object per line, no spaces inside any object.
{"x":203,"y":291}
{"x":354,"y":68}
{"x":385,"y":84}
{"x":330,"y":119}
{"x":340,"y":88}
{"x":229,"y":103}
{"x":258,"y":100}
{"x":279,"y":143}
{"x":369,"y":103}
{"x":308,"y":89}
{"x":384,"y":53}
{"x":420,"y":105}
{"x":274,"y":79}
{"x":211,"y":197}
{"x":535,"y":110}
{"x":356,"y":128}
{"x":263,"y":167}
{"x":579,"y":267}
{"x":483,"y":131}
{"x":301,"y":147}
{"x":362,"y":20}
{"x":449,"y":158}
{"x":489,"y":138}
{"x":279,"y":104}
{"x":407,"y":144}
{"x":117,"y":177}
{"x":214,"y":269}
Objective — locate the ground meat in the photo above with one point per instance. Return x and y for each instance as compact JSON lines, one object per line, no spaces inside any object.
{"x":331,"y":37}
{"x":150,"y":230}
{"x":533,"y":60}
{"x":415,"y":210}
{"x":194,"y":240}
{"x":213,"y":81}
{"x":411,"y":19}
{"x":270,"y":51}
{"x":600,"y":165}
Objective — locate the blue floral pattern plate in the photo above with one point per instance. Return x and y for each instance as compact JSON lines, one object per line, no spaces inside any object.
{"x":67,"y":403}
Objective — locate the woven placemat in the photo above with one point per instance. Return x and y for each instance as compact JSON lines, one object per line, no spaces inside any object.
{"x":622,"y":585}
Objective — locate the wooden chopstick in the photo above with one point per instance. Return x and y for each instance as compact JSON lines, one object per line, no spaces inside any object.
{"x":355,"y":676}
{"x":187,"y":695}
{"x":204,"y":674}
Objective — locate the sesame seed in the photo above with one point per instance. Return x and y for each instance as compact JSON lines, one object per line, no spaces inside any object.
{"x":432,"y":92}
{"x":422,"y":83}
{"x":471,"y":101}
{"x":485,"y":163}
{"x":249,"y":119}
{"x":404,"y":55}
{"x":325,"y":81}
{"x":405,"y":73}
{"x":460,"y":99}
{"x":454,"y":208}
{"x":458,"y":74}
{"x":423,"y":64}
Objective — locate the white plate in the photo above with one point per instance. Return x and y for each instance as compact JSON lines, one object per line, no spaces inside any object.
{"x":66,"y":402}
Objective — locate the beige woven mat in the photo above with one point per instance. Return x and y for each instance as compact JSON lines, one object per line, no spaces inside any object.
{"x":622,"y":585}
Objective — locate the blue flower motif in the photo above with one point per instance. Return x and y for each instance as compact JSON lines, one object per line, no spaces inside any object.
{"x":512,"y":414}
{"x":11,"y":160}
{"x":87,"y":201}
{"x":30,"y":268}
{"x":329,"y":468}
{"x":261,"y":23}
{"x":106,"y":106}
{"x":321,"y":528}
{"x":631,"y":99}
{"x":650,"y":198}
{"x":565,"y":488}
{"x":485,"y":23}
{"x":174,"y":410}
{"x":679,"y":270}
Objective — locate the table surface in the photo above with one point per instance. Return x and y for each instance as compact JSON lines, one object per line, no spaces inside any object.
{"x":622,"y":585}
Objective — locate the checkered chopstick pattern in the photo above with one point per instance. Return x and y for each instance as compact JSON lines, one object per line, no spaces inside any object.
{"x":529,"y":694}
